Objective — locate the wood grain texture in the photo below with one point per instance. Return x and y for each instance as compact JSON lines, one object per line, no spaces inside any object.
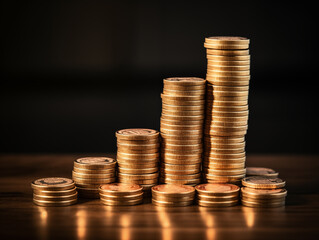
{"x":89,"y":219}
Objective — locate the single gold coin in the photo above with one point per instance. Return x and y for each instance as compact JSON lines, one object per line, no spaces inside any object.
{"x":138,"y":176}
{"x":173,"y":190}
{"x":228,"y":67}
{"x":226,"y":134}
{"x":211,"y":87}
{"x":219,"y":124}
{"x":258,"y":205}
{"x":211,"y":189}
{"x":180,"y":176}
{"x":120,"y":189}
{"x":186,"y":118}
{"x":182,"y":113}
{"x":94,"y":171}
{"x":53,"y":184}
{"x":134,"y":151}
{"x":231,"y":40}
{"x":227,"y":52}
{"x":141,"y":182}
{"x":181,"y":141}
{"x":229,"y":114}
{"x":203,"y":203}
{"x":210,"y":98}
{"x":183,"y":93}
{"x":217,"y":93}
{"x":122,"y":203}
{"x":94,"y":163}
{"x":225,"y":198}
{"x":224,"y":150}
{"x":260,"y":171}
{"x":180,"y":181}
{"x":225,"y":179}
{"x":278,"y":193}
{"x":213,"y":80}
{"x":184,"y":81}
{"x":152,"y":164}
{"x":223,"y":166}
{"x":224,"y":172}
{"x":78,"y":180}
{"x":177,"y":152}
{"x":94,"y":176}
{"x":55,"y":198}
{"x":225,"y":156}
{"x":181,"y":171}
{"x":227,"y":108}
{"x":184,"y":87}
{"x":260,"y":182}
{"x":138,"y":146}
{"x":212,"y":128}
{"x":229,"y":58}
{"x":166,"y":198}
{"x":208,"y":160}
{"x":171,"y":204}
{"x":138,"y":142}
{"x":112,"y":197}
{"x":224,"y":140}
{"x":210,"y":144}
{"x":137,"y":134}
{"x":171,"y":107}
{"x":228,"y":63}
{"x":182,"y":161}
{"x":182,"y":98}
{"x":137,"y":171}
{"x":54,"y":203}
{"x":230,"y":119}
{"x":183,"y":103}
{"x":54,"y":193}
{"x":181,"y":156}
{"x":181,"y":127}
{"x":195,"y":123}
{"x":227,"y":102}
{"x":137,"y":156}
{"x":182,"y":146}
{"x":262,"y":201}
{"x":227,"y":72}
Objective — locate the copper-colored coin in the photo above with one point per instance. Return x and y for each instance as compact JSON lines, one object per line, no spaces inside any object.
{"x":182,"y":102}
{"x":209,"y":144}
{"x":183,"y":108}
{"x":225,"y":128}
{"x":120,"y":189}
{"x":227,"y":102}
{"x":211,"y":98}
{"x":138,"y":176}
{"x":218,"y":198}
{"x":180,"y":181}
{"x":122,"y":203}
{"x":260,"y":171}
{"x":227,"y":108}
{"x":183,"y":167}
{"x":228,"y":58}
{"x":105,"y":196}
{"x":138,"y":146}
{"x":216,"y":72}
{"x":180,"y":177}
{"x":227,"y":134}
{"x":225,"y":166}
{"x":93,"y":176}
{"x":227,"y":178}
{"x":95,"y":163}
{"x":141,"y":182}
{"x":182,"y":147}
{"x":211,"y":87}
{"x":219,"y":124}
{"x":180,"y":131}
{"x":263,"y":182}
{"x":213,"y":80}
{"x":181,"y":141}
{"x":54,"y":203}
{"x":181,"y":127}
{"x":264,"y":193}
{"x":54,"y":193}
{"x":184,"y":87}
{"x":94,"y":171}
{"x":53,"y":184}
{"x":137,"y":170}
{"x":227,"y":52}
{"x":179,"y":172}
{"x":262,"y":201}
{"x":217,"y":189}
{"x":183,"y":117}
{"x":173,"y":190}
{"x":147,"y":165}
{"x":182,"y":161}
{"x":181,"y":156}
{"x":224,"y":172}
{"x":225,"y":160}
{"x":224,"y":140}
{"x":203,"y":203}
{"x":93,"y":181}
{"x":253,"y":204}
{"x":231,"y":40}
{"x":137,"y":156}
{"x":55,"y":198}
{"x":184,"y":81}
{"x":181,"y":151}
{"x":183,"y":93}
{"x":171,"y":204}
{"x":182,"y":112}
{"x":235,"y":182}
{"x":230,"y":93}
{"x":226,"y":156}
{"x":175,"y":199}
{"x":134,"y":151}
{"x":224,"y":150}
{"x":228,"y":67}
{"x":182,"y":98}
{"x":137,"y":134}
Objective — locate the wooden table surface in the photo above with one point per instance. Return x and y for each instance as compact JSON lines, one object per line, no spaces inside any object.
{"x":89,"y":219}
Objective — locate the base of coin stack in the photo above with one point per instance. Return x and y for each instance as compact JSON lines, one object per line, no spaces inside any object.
{"x":54,"y":192}
{"x":90,"y":172}
{"x":263,"y":192}
{"x":182,"y":120}
{"x":173,"y":195}
{"x":217,"y":195}
{"x":121,"y":194}
{"x":138,"y":157}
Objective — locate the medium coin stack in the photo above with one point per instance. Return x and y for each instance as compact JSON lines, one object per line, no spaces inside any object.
{"x":226,"y":122}
{"x":54,"y":191}
{"x":138,"y":157}
{"x":260,"y":171}
{"x":217,"y":195}
{"x":182,"y":120}
{"x":173,"y":195}
{"x":121,"y":194}
{"x":263,"y":192}
{"x":90,"y":172}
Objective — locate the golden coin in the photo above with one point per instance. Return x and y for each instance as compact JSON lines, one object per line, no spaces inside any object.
{"x":78,"y":180}
{"x":262,"y":201}
{"x":136,"y":163}
{"x":219,"y":124}
{"x":195,"y":123}
{"x":53,"y":184}
{"x":137,"y":156}
{"x":54,"y":192}
{"x":229,"y":114}
{"x":186,"y":118}
{"x":227,"y":73}
{"x":144,"y":181}
{"x":184,"y":88}
{"x":224,"y":172}
{"x":217,"y":189}
{"x":183,"y":93}
{"x":138,"y":176}
{"x":54,"y":203}
{"x":224,"y":150}
{"x":137,"y":134}
{"x":219,"y":46}
{"x":226,"y":155}
{"x":138,"y":142}
{"x":181,"y":141}
{"x":182,"y":146}
{"x":211,"y":87}
{"x":133,"y":151}
{"x":166,"y":198}
{"x":184,"y":137}
{"x":217,"y":93}
{"x":252,"y":204}
{"x":208,"y":160}
{"x":137,"y":171}
{"x":95,"y":163}
{"x":210,"y":144}
{"x":180,"y":171}
{"x":228,"y":63}
{"x":228,"y":58}
{"x":227,"y":134}
{"x":212,"y":80}
{"x":278,"y":193}
{"x":227,"y":40}
{"x":230,"y":119}
{"x":227,"y":52}
{"x":223,"y":166}
{"x":122,"y":203}
{"x":227,"y":108}
{"x":203,"y":203}
{"x":260,"y":171}
{"x":223,"y":177}
{"x":180,"y":177}
{"x":55,"y":198}
{"x":182,"y":98}
{"x":171,"y":204}
{"x":180,"y":181}
{"x":138,"y":146}
{"x":173,"y":190}
{"x":183,"y":102}
{"x":130,"y":197}
{"x":184,"y":81}
{"x":211,"y":98}
{"x":177,"y":152}
{"x":214,"y":181}
{"x":224,"y":140}
{"x":139,"y":165}
{"x":263,"y":182}
{"x":183,"y":108}
{"x":225,"y":198}
{"x":183,"y":161}
{"x":228,"y":67}
{"x":120,"y":189}
{"x":226,"y":129}
{"x":182,"y":113}
{"x":181,"y":127}
{"x":227,"y":103}
{"x":94,"y":176}
{"x":98,"y":171}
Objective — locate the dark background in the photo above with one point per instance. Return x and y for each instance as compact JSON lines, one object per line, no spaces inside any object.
{"x":74,"y":72}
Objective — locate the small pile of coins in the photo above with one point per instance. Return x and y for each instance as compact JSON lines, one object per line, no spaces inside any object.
{"x":261,"y":171}
{"x":173,"y":195}
{"x":217,"y":195}
{"x":121,"y":194}
{"x":90,"y":172}
{"x":54,"y":192}
{"x":138,"y":157}
{"x":181,"y":129}
{"x":263,"y":192}
{"x":226,"y":122}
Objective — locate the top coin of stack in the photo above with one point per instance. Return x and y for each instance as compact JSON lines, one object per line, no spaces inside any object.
{"x":182,"y":120}
{"x":138,"y":157}
{"x":54,"y":191}
{"x":173,"y":195}
{"x":263,"y":192}
{"x":226,"y":123}
{"x":121,"y":194}
{"x":90,"y":172}
{"x":260,"y":171}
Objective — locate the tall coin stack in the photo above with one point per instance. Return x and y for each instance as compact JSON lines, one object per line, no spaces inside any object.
{"x":138,"y":157}
{"x":54,"y":192}
{"x":183,"y":101}
{"x":90,"y":172}
{"x":263,"y":192}
{"x":226,"y":123}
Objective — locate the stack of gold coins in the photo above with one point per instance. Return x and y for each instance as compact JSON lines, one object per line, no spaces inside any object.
{"x":121,"y":194}
{"x":261,"y":171}
{"x":173,"y":195}
{"x":90,"y":172}
{"x":263,"y":192}
{"x":138,"y":157}
{"x":182,"y":120}
{"x":226,"y":122}
{"x":217,"y":195}
{"x":54,"y":191}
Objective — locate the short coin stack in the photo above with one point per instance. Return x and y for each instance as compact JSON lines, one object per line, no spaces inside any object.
{"x":138,"y":157}
{"x":121,"y":194}
{"x":54,"y":191}
{"x":263,"y":192}
{"x":173,"y":195}
{"x":217,"y":195}
{"x":226,"y":123}
{"x":260,"y":171}
{"x":90,"y":172}
{"x":182,"y":120}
